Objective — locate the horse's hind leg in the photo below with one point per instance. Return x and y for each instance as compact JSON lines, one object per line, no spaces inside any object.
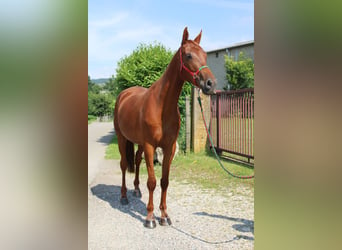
{"x":138,"y":158}
{"x":122,"y":141}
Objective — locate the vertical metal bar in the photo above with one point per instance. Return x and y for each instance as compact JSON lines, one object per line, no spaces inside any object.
{"x":214,"y":118}
{"x":235,"y":125}
{"x":228,"y":121}
{"x":252,"y":138}
{"x":211,"y":115}
{"x":223,"y":121}
{"x":218,"y":126}
{"x":240,"y":124}
{"x":244,"y":123}
{"x":187,"y":124}
{"x":231,"y":122}
{"x":249,"y":123}
{"x":226,"y":129}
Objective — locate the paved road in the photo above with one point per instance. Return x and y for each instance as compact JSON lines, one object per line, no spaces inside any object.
{"x":201,"y":219}
{"x":99,"y":136}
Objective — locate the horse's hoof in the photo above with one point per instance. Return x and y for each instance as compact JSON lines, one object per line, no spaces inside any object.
{"x":165,"y":221}
{"x":124,"y":200}
{"x":150,"y":224}
{"x":137,"y":193}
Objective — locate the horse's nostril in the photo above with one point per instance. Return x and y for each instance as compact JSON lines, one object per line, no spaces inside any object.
{"x":209,"y":83}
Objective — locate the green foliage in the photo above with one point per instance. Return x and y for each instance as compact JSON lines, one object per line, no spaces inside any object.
{"x":99,"y":103}
{"x":186,"y":91}
{"x":92,"y":87}
{"x":110,"y":86}
{"x":142,"y":68}
{"x":240,"y":73}
{"x":91,"y":118}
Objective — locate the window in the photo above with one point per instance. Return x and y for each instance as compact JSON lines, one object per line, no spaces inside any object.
{"x":217,"y":54}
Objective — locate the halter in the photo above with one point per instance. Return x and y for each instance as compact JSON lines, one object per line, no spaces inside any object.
{"x":182,"y":65}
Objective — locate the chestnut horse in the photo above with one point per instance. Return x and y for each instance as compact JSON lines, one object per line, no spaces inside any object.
{"x":150,"y":118}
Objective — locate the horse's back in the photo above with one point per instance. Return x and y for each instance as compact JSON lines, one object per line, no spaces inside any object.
{"x":130,"y":97}
{"x":135,"y":92}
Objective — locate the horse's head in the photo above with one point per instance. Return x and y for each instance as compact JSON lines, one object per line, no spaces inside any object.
{"x":193,"y":64}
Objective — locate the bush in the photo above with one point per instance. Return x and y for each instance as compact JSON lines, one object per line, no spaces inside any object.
{"x":100,"y":100}
{"x":91,"y":117}
{"x":99,"y":104}
{"x":240,"y":73}
{"x":143,"y":67}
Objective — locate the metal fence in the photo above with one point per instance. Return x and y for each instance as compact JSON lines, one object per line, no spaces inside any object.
{"x":232,"y":123}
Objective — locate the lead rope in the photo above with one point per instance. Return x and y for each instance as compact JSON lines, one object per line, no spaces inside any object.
{"x":213,"y":147}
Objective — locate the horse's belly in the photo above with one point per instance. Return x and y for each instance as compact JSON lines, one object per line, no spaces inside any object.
{"x":129,"y":125}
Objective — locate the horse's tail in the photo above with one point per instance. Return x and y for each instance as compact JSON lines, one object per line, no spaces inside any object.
{"x":130,"y":156}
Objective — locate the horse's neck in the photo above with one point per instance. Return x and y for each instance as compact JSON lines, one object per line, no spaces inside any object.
{"x":171,"y":85}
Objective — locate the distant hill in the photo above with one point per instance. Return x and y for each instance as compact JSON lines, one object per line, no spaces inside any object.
{"x":100,"y":80}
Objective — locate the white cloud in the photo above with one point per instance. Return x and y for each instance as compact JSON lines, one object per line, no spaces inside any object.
{"x":109,"y":39}
{"x":109,"y":22}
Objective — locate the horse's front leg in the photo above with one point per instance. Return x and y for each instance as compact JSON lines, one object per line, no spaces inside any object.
{"x":150,"y":221}
{"x":164,"y":183}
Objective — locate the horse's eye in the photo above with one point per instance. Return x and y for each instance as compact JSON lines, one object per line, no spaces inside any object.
{"x":189,"y":56}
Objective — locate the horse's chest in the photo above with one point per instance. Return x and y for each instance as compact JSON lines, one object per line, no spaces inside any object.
{"x":161,"y":129}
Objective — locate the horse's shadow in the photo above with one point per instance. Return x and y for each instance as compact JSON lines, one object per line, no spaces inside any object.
{"x":111,"y":194}
{"x":106,"y":139}
{"x":244,"y":225}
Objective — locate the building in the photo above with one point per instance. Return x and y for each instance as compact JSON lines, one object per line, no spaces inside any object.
{"x":216,"y":63}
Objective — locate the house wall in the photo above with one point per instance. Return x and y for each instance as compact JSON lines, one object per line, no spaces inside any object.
{"x":216,"y":62}
{"x":248,"y":50}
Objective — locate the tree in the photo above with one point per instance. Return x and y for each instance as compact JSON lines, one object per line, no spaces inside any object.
{"x":99,"y":104}
{"x":143,"y":67}
{"x":240,"y":73}
{"x":93,"y":87}
{"x":110,"y":86}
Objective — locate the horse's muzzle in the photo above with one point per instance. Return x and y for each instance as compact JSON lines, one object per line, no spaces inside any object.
{"x":209,"y":86}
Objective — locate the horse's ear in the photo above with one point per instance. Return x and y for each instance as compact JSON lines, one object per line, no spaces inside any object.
{"x":198,"y":38}
{"x":185,"y":35}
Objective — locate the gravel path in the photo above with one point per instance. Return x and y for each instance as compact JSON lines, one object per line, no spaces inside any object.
{"x":202,"y":219}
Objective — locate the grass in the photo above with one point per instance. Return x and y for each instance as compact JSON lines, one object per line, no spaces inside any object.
{"x":112,"y":151}
{"x":201,"y":169}
{"x":91,"y":118}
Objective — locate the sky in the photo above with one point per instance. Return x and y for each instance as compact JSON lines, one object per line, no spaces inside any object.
{"x":116,"y":28}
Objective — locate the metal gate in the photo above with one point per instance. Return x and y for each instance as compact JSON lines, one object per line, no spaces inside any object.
{"x":232,"y":123}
